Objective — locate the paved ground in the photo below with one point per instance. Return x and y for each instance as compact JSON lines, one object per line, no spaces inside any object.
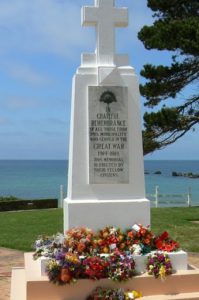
{"x":11,"y":258}
{"x":8,"y":260}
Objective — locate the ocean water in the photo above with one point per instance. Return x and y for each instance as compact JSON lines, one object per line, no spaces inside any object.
{"x":167,"y":183}
{"x":33,"y":179}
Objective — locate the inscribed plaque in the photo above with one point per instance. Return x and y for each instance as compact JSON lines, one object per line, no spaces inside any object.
{"x":108,"y":134}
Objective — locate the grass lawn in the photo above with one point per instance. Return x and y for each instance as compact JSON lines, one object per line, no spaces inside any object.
{"x":179,"y":223}
{"x":18,"y":230}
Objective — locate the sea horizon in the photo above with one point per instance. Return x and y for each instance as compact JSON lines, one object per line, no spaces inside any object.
{"x":42,"y":178}
{"x":61,"y":159}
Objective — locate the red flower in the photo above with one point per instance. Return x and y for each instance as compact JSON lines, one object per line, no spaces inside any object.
{"x":95,"y":267}
{"x":164,"y":235}
{"x":163,"y":242}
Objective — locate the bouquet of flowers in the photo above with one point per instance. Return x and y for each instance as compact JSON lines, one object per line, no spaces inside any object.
{"x":79,"y":240}
{"x":132,"y":295}
{"x":95,"y":267}
{"x":53,"y":269}
{"x":121,"y":266}
{"x":164,"y":243}
{"x":65,"y":268}
{"x":47,"y":246}
{"x":142,"y":236}
{"x":109,"y":239}
{"x":159,"y":265}
{"x":106,"y":294}
{"x":113,"y":294}
{"x":108,"y":254}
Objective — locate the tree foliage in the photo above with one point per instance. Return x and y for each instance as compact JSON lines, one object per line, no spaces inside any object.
{"x":176,"y":29}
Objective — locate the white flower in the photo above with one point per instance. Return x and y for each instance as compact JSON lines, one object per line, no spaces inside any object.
{"x":112,"y":246}
{"x":136,"y":227}
{"x":136,"y":249}
{"x":45,"y":253}
{"x":59,"y":239}
{"x":130,"y":295}
{"x":38,"y":243}
{"x":113,"y":230}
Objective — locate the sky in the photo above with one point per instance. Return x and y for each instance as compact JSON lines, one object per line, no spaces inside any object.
{"x":41,"y":42}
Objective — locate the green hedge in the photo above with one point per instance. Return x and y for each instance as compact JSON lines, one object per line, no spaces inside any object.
{"x":28,"y":204}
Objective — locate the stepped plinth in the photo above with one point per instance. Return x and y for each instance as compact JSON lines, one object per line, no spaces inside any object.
{"x":28,"y":284}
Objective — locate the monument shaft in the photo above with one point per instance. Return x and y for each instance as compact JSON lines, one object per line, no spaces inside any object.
{"x":106,"y":173}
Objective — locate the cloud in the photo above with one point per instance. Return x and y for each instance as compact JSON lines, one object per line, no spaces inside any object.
{"x":48,"y":26}
{"x":57,"y":121}
{"x":54,"y":134}
{"x":13,"y":102}
{"x":4,"y":121}
{"x":25,"y":73}
{"x":53,"y":26}
{"x":19,"y":102}
{"x":8,"y":134}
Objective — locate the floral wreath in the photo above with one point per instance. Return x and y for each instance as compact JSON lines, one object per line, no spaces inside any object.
{"x":159,"y":265}
{"x":81,"y":253}
{"x":113,"y":294}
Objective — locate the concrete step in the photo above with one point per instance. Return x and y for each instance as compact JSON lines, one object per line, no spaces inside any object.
{"x":184,"y":296}
{"x":18,"y":284}
{"x":28,"y":284}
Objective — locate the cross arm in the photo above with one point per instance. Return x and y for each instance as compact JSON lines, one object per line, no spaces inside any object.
{"x":121,"y":17}
{"x":89,"y":16}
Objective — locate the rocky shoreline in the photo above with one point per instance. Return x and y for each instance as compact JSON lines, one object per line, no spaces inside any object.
{"x":187,"y":175}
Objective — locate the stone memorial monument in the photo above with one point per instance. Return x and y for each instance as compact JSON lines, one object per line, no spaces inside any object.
{"x":106,"y":175}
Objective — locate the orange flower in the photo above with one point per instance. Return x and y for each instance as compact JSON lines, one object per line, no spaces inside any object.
{"x":149,"y":236}
{"x":122,"y":246}
{"x":65,"y":275}
{"x":130,"y":234}
{"x":105,"y":250}
{"x":147,"y":241}
{"x":142,"y":231}
{"x":121,"y":237}
{"x":100,"y":242}
{"x":105,"y":234}
{"x":81,"y":247}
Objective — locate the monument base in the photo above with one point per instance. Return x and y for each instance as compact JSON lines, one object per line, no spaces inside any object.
{"x":178,"y":261}
{"x":96,"y":214}
{"x":28,"y":284}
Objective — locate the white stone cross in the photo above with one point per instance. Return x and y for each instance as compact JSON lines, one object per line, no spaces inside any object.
{"x":105,"y":17}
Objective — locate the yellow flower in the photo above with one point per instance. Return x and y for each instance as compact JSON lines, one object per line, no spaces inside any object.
{"x":52,"y":264}
{"x":137,"y":294}
{"x":162,"y":272}
{"x":151,"y":267}
{"x":132,"y":295}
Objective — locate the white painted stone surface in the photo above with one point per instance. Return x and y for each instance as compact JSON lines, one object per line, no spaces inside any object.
{"x":79,"y":188}
{"x":91,"y":202}
{"x":178,"y":260}
{"x":43,"y":263}
{"x":78,"y":176}
{"x":105,"y":17}
{"x":97,"y":214}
